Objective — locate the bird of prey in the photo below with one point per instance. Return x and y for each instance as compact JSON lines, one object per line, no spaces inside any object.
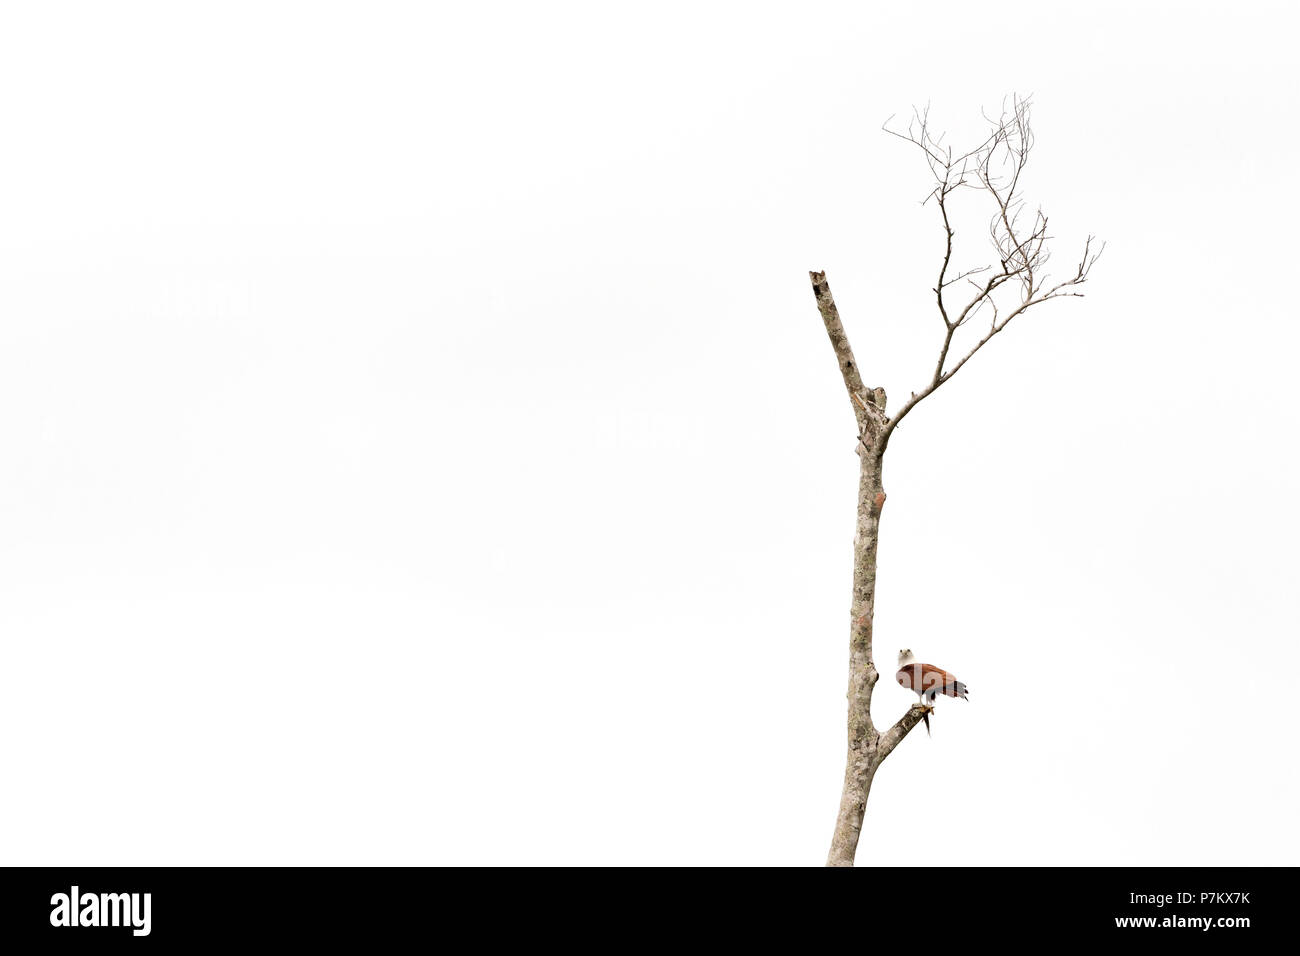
{"x":928,"y":682}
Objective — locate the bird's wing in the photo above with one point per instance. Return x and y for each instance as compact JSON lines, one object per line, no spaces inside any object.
{"x":909,"y":675}
{"x":938,"y":680}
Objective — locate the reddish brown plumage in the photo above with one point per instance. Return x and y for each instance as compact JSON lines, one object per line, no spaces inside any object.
{"x":929,"y":681}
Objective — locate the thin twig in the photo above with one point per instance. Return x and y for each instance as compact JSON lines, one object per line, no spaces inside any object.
{"x":999,"y":163}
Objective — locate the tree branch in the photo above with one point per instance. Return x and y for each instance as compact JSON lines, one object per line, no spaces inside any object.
{"x":894,"y":735}
{"x":859,"y":395}
{"x":998,"y":165}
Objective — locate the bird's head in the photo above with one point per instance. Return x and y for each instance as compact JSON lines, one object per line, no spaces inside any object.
{"x":905,"y":657}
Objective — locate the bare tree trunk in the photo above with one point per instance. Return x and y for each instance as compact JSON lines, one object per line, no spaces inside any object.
{"x":866,"y":747}
{"x":860,"y":762}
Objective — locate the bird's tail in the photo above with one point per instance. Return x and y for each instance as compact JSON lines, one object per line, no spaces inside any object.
{"x":959,"y":690}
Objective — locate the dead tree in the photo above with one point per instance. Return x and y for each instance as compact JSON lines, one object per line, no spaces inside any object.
{"x":993,"y":295}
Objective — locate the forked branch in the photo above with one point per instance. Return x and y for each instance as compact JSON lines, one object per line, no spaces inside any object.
{"x":995,"y":168}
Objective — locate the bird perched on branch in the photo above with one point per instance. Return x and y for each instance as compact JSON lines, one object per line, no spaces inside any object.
{"x":928,"y":682}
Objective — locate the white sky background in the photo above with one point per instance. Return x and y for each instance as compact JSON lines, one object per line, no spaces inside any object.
{"x":419,"y":444}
